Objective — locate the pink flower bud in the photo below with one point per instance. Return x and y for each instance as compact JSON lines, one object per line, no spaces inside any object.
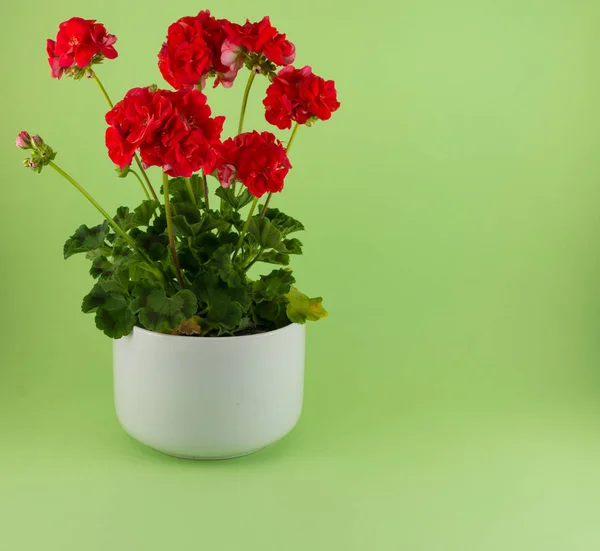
{"x":226,"y":175}
{"x":23,"y":140}
{"x":37,"y":141}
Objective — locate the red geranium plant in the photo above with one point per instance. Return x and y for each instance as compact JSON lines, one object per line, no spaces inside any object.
{"x":181,"y":265}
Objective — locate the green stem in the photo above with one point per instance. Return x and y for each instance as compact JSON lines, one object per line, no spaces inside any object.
{"x":248,"y":266}
{"x":205,"y":189}
{"x":137,"y":159}
{"x":108,"y":217}
{"x":188,"y":184}
{"x":243,"y":110}
{"x":245,"y":100}
{"x":139,"y":164}
{"x":287,"y":149}
{"x":170,"y":230}
{"x":141,"y":183}
{"x":245,"y":228}
{"x":103,"y":90}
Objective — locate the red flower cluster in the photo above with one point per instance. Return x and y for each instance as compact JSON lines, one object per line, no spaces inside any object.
{"x":79,"y":42}
{"x":202,"y":46}
{"x":193,"y":51}
{"x":256,"y":38}
{"x":173,"y":130}
{"x":259,"y":161}
{"x":299,"y":95}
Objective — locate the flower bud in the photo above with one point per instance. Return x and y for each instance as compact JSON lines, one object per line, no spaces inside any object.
{"x":37,"y":141}
{"x":23,"y":140}
{"x":123,"y":173}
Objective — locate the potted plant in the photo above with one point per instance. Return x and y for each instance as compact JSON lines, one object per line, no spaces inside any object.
{"x":208,"y":360}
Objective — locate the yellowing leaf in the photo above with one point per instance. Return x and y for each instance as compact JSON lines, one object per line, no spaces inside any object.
{"x":302,"y":308}
{"x":189,"y":327}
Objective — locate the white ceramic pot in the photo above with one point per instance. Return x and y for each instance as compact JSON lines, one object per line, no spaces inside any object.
{"x":209,"y":397}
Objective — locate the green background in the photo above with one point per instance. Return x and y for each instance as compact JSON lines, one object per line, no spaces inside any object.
{"x":452,"y":214}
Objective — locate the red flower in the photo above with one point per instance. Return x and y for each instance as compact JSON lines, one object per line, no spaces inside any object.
{"x":299,"y":95}
{"x":79,"y":43}
{"x":256,"y":38}
{"x":259,"y":161}
{"x":173,"y":130}
{"x":192,"y":51}
{"x":133,"y":120}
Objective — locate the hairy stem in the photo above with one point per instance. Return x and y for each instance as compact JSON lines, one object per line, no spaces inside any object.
{"x":103,"y":90}
{"x":245,"y":101}
{"x":287,"y":149}
{"x":245,"y":228}
{"x":243,"y":109}
{"x":253,"y":261}
{"x":141,"y":183}
{"x":139,"y":164}
{"x":205,"y":189}
{"x":109,"y":218}
{"x":170,"y":230}
{"x":137,"y":159}
{"x":188,"y":185}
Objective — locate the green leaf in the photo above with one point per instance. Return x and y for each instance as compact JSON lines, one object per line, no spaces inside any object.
{"x":207,"y":222}
{"x":205,"y":245}
{"x":273,"y":257}
{"x":221,"y":261}
{"x":182,"y":227}
{"x":274,"y":285}
{"x":272,"y":313}
{"x":144,"y":213}
{"x":292,"y":246}
{"x":284,"y":223}
{"x":223,"y":311}
{"x":225,"y":305}
{"x":86,"y":239}
{"x":187,"y":210}
{"x":113,"y":315}
{"x":117,"y":283}
{"x":157,"y":311}
{"x":154,"y":244}
{"x":179,"y":192}
{"x":265,"y":233}
{"x":236,"y":202}
{"x":141,"y":216}
{"x":101,"y":267}
{"x":302,"y":308}
{"x":122,"y":217}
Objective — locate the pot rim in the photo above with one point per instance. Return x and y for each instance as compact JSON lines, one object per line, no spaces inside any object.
{"x":266,"y":334}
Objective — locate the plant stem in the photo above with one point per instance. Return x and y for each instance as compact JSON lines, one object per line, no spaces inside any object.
{"x":188,"y":184}
{"x":287,"y":149}
{"x":170,"y":230}
{"x":108,"y":217}
{"x":141,"y":183}
{"x":205,"y":188}
{"x":103,"y":90}
{"x":137,"y":159}
{"x":245,"y":100}
{"x":243,"y":110}
{"x":245,"y":228}
{"x":248,"y":266}
{"x":139,"y":164}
